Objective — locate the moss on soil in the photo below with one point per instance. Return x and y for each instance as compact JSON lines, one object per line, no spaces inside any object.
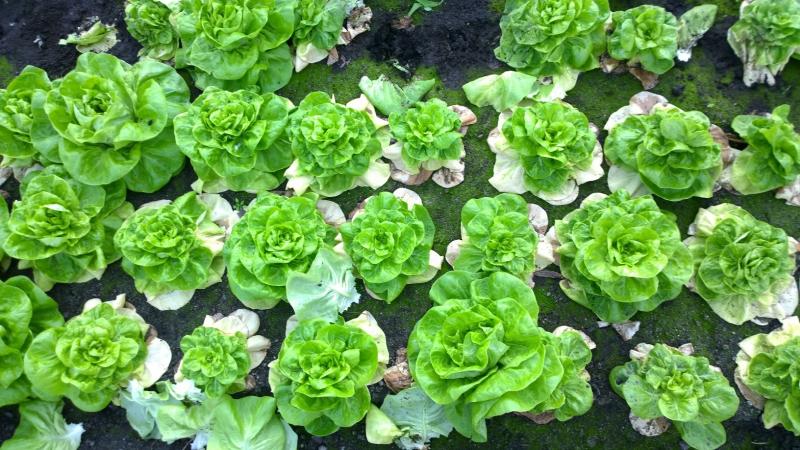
{"x":709,"y":83}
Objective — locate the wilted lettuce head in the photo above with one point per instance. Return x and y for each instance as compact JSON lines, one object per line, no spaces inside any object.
{"x":685,"y":389}
{"x":672,"y":152}
{"x":150,"y":23}
{"x":390,"y":245}
{"x":16,"y":114}
{"x":553,"y":37}
{"x":63,"y":229}
{"x":765,"y":37}
{"x":621,"y":255}
{"x":645,"y":35}
{"x":772,"y":157}
{"x":107,"y":120}
{"x":236,"y":140}
{"x":744,"y":267}
{"x":277,"y":235}
{"x":237,"y":44}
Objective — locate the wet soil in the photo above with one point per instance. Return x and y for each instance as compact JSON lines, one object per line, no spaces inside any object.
{"x":454,"y":43}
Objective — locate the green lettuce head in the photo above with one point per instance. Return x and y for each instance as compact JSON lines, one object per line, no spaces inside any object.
{"x":236,"y":44}
{"x":94,"y":355}
{"x":390,"y":243}
{"x":336,"y":147}
{"x":743,"y":267}
{"x":547,"y":149}
{"x":429,"y":136}
{"x":107,"y":121}
{"x":664,"y":382}
{"x":17,"y":116}
{"x":772,"y":157}
{"x":150,"y":23}
{"x":25,"y":312}
{"x":277,"y":235}
{"x":553,"y":38}
{"x":666,"y":151}
{"x":480,"y":353}
{"x":319,"y":24}
{"x":64,"y":229}
{"x":768,"y":374}
{"x":322,"y":372}
{"x":173,"y":248}
{"x":236,"y":140}
{"x":621,"y":255}
{"x":765,"y":37}
{"x":500,"y":234}
{"x":646,"y":35}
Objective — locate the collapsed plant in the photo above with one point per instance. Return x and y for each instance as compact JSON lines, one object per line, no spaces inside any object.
{"x":664,"y":385}
{"x":172,"y":248}
{"x":744,"y":268}
{"x":620,"y":255}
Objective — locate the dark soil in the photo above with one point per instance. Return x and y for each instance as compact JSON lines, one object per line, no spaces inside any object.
{"x":456,"y":43}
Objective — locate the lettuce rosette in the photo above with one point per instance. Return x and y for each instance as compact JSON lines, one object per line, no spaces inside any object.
{"x":25,"y":312}
{"x":768,"y":374}
{"x":744,"y":268}
{"x":771,"y":159}
{"x":95,"y":355}
{"x":389,"y":240}
{"x":321,"y":25}
{"x":620,"y":255}
{"x":236,"y":140}
{"x":547,"y":149}
{"x":655,"y":147}
{"x":480,"y":353}
{"x":765,"y":38}
{"x":150,"y":23}
{"x":664,"y":385}
{"x":336,"y":147}
{"x":172,"y":248}
{"x":324,"y":369}
{"x":236,"y":44}
{"x":501,"y":234}
{"x":107,"y":120}
{"x":219,"y":355}
{"x":17,"y":116}
{"x":276,"y":236}
{"x":63,"y":229}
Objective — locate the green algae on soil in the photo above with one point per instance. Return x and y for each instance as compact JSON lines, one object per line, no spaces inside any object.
{"x":455,"y":44}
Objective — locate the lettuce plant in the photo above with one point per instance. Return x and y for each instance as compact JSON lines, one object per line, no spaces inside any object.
{"x":388,"y":97}
{"x":322,"y":372}
{"x":42,"y":426}
{"x":173,"y":248}
{"x":621,"y":255}
{"x":235,"y":140}
{"x":662,"y":382}
{"x":317,"y":30}
{"x":93,"y":355}
{"x":218,"y":356}
{"x":64,"y":229}
{"x":277,"y":235}
{"x":553,"y":38}
{"x":480,"y":354}
{"x":25,"y":312}
{"x":547,"y":149}
{"x":409,"y":418}
{"x":390,"y":244}
{"x":503,"y":91}
{"x":16,"y":116}
{"x":743,"y":267}
{"x":336,"y":147}
{"x":150,"y":23}
{"x":107,"y":120}
{"x":325,"y":290}
{"x":768,"y":374}
{"x":669,"y":151}
{"x":765,"y":37}
{"x":428,"y":135}
{"x":645,"y":35}
{"x":496,"y":236}
{"x":236,"y":44}
{"x":772,"y":157}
